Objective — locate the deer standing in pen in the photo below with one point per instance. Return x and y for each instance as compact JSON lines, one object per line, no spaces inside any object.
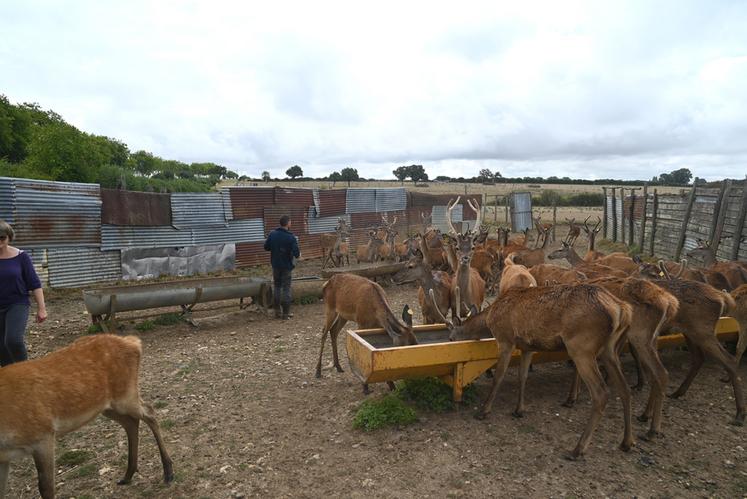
{"x":466,"y":279}
{"x":348,"y":297}
{"x":53,"y":395}
{"x":587,"y":321}
{"x":573,"y":231}
{"x":734,"y":273}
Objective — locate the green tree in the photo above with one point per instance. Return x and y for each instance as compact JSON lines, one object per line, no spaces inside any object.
{"x":294,"y":171}
{"x":15,"y":131}
{"x":335,"y":177}
{"x":266,"y":176}
{"x":402,"y":173}
{"x":417,"y":173}
{"x":65,"y":153}
{"x":349,"y":174}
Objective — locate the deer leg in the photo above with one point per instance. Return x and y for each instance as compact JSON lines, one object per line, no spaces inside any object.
{"x":4,"y":470}
{"x":43,"y":455}
{"x":148,"y":414}
{"x":588,"y":370}
{"x":696,"y":362}
{"x":526,"y":361}
{"x":131,"y":426}
{"x":714,"y":349}
{"x":612,"y":362}
{"x":742,"y":342}
{"x":334,"y":332}
{"x":504,"y":358}
{"x":573,"y":392}
{"x":639,"y":374}
{"x":329,"y":321}
{"x":659,"y":377}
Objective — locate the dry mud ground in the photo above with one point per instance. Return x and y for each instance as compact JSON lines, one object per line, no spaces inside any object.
{"x":243,"y":416}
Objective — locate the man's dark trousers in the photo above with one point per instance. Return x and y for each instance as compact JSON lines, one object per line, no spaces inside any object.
{"x":282,"y":294}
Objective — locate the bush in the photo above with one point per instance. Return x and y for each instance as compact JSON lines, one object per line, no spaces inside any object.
{"x":145,"y":326}
{"x":552,"y":198}
{"x":432,"y":394}
{"x":168,"y":319}
{"x":388,"y":410}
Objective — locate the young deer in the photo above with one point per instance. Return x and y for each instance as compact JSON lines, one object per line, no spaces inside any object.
{"x":733,"y":273}
{"x":701,"y":306}
{"x":466,"y":279}
{"x":587,"y":321}
{"x":531,"y":257}
{"x":370,"y":252}
{"x":573,"y":232}
{"x":48,"y":397}
{"x":348,"y":297}
{"x":515,"y":276}
{"x":591,"y":233}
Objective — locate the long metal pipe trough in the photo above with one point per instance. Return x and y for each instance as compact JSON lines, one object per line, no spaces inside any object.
{"x":187,"y":293}
{"x":373,"y":359}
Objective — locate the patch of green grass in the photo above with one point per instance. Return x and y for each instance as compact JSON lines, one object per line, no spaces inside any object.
{"x":527,"y":429}
{"x":94,"y":328}
{"x":145,"y":325}
{"x":73,"y":457}
{"x":306,"y":299}
{"x":279,"y":349}
{"x":160,"y":404}
{"x":388,"y":410}
{"x":432,"y":394}
{"x":85,"y":496}
{"x":84,"y":471}
{"x":168,"y":319}
{"x":167,"y":424}
{"x":740,"y":486}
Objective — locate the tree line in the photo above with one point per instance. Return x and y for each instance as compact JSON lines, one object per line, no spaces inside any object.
{"x":40,"y":144}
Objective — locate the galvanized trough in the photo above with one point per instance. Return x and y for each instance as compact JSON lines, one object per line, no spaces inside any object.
{"x":373,"y":359}
{"x":107,"y":302}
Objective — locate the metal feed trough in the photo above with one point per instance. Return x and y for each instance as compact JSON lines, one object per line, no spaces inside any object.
{"x":104,"y":303}
{"x":373,"y":359}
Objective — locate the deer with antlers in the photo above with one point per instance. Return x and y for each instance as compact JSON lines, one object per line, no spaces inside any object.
{"x":734,"y":273}
{"x":543,"y":230}
{"x":536,"y":256}
{"x":332,"y":243}
{"x":587,"y":321}
{"x":467,"y":281}
{"x":348,"y":297}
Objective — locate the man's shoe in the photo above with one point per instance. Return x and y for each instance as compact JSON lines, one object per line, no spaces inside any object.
{"x":277,"y":312}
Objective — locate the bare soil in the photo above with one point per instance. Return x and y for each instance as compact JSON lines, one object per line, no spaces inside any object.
{"x":244,"y":416}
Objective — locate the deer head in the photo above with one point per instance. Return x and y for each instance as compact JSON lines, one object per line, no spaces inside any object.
{"x":458,"y":328}
{"x":563,"y":252}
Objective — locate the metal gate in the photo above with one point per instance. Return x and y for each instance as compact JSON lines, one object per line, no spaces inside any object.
{"x":521,"y":211}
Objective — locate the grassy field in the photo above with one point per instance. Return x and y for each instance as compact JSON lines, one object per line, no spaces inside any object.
{"x":452,"y":187}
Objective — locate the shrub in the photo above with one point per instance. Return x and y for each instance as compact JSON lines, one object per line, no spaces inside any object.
{"x":388,"y":410}
{"x":145,"y":326}
{"x":168,"y":319}
{"x":432,"y":394}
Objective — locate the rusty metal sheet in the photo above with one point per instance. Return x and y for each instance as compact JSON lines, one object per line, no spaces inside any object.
{"x":250,"y":254}
{"x":332,"y":202}
{"x":76,"y":267}
{"x":227,"y":210}
{"x":135,"y":208}
{"x":310,"y":246}
{"x":294,"y":197}
{"x":365,"y":220}
{"x":297,"y":214}
{"x":250,"y":202}
{"x":56,"y":214}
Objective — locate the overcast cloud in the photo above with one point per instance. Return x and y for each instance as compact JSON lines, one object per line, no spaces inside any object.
{"x":580,"y":89}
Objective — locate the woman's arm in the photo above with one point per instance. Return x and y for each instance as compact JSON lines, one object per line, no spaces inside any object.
{"x":41,"y":308}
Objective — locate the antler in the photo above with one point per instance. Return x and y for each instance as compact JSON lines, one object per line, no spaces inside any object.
{"x":476,"y":208}
{"x":586,"y":227}
{"x":432,"y":294}
{"x":449,"y":208}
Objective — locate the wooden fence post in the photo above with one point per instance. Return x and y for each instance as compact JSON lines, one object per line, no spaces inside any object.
{"x":507,"y":222}
{"x":721,"y":207}
{"x":631,"y":219}
{"x":604,"y":213}
{"x":654,"y":213}
{"x":740,"y":224}
{"x":495,"y":211}
{"x":643,"y":220}
{"x":614,"y":216}
{"x":554,"y":218}
{"x":683,"y":229}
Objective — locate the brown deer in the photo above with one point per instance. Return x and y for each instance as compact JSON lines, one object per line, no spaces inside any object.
{"x":53,"y":395}
{"x":543,"y":230}
{"x":608,"y":266}
{"x":587,"y":321}
{"x":734,"y":274}
{"x":740,"y":315}
{"x":701,"y":306}
{"x":370,"y":252}
{"x":591,"y":233}
{"x":466,"y":279}
{"x":535,"y":256}
{"x":348,"y":297}
{"x":515,"y":276}
{"x":545,"y":272}
{"x":573,"y":231}
{"x":330,"y":243}
{"x":652,"y":308}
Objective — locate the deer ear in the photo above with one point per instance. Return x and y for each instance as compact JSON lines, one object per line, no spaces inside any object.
{"x":407,"y":315}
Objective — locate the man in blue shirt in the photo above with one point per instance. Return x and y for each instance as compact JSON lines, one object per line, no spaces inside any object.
{"x":283,"y":247}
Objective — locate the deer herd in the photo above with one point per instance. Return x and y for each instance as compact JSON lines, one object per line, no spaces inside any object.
{"x":592,"y":307}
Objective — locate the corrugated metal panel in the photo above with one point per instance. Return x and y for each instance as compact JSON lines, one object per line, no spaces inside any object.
{"x":310,"y":246}
{"x":250,"y":202}
{"x":250,"y":230}
{"x":124,"y":236}
{"x":294,"y":197}
{"x":227,"y":210}
{"x":139,"y":263}
{"x":56,"y":214}
{"x":365,"y":220}
{"x":391,"y":199}
{"x":315,"y":194}
{"x":438,"y":217}
{"x":7,"y":199}
{"x":610,"y":218}
{"x":76,"y":267}
{"x":135,"y":208}
{"x":468,"y":213}
{"x":189,"y":209}
{"x":321,"y":225}
{"x":619,"y":215}
{"x":521,"y":211}
{"x":298,"y":217}
{"x":332,"y":202}
{"x":249,"y":254}
{"x":39,"y":259}
{"x":360,"y":200}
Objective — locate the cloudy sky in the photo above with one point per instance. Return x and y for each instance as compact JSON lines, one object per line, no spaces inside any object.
{"x":584,"y":89}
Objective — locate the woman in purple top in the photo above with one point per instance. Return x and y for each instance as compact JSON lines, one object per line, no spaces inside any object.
{"x":18,"y":279}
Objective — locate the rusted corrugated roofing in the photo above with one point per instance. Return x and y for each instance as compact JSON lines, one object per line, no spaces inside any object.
{"x":250,"y":202}
{"x":332,"y":202}
{"x":250,"y":254}
{"x":56,"y":214}
{"x":76,"y":267}
{"x":365,"y":220}
{"x":298,"y":217}
{"x":309,"y":246}
{"x":294,"y":197}
{"x":135,"y":208}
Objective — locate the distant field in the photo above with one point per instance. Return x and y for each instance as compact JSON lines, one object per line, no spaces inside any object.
{"x":453,"y":187}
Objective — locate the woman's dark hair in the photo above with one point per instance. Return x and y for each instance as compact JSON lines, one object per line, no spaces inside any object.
{"x":7,"y":230}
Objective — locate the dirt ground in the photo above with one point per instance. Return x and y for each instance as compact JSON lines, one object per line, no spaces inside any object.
{"x":244,"y":416}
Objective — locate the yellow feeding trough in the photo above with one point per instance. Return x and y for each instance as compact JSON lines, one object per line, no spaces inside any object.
{"x":373,"y":358}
